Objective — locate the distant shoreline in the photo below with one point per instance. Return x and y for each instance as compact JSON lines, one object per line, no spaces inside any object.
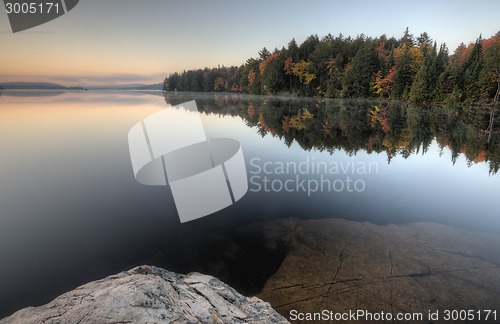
{"x":55,"y":86}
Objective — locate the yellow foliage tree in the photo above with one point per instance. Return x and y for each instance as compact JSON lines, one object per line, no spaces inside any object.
{"x":301,"y":70}
{"x":416,"y":54}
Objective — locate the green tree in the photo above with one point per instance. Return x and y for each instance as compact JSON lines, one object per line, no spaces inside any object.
{"x":319,"y":59}
{"x":293,"y":50}
{"x":335,"y":76}
{"x":272,"y":73}
{"x":308,"y":47}
{"x":437,"y":69}
{"x":389,"y":62}
{"x":472,"y":69}
{"x":420,"y":88}
{"x":489,"y":78}
{"x":251,"y":77}
{"x":264,"y":53}
{"x":404,"y":74}
{"x":424,"y":43}
{"x":219,"y":84}
{"x":287,"y":68}
{"x":166,"y":84}
{"x":426,"y":77}
{"x":451,"y":80}
{"x":358,"y":74}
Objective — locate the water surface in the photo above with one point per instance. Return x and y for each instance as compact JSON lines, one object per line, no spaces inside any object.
{"x":71,"y":210}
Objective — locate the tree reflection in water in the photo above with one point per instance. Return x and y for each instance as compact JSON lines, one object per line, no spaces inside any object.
{"x":394,"y":128}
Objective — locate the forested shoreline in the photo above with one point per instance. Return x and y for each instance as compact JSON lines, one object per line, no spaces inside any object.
{"x":411,"y":68}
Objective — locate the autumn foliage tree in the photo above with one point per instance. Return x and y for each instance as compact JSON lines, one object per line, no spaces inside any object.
{"x":302,"y":71}
{"x":410,"y":68}
{"x":383,"y":86}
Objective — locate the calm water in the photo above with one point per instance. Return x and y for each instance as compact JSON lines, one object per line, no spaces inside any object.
{"x":71,"y":210}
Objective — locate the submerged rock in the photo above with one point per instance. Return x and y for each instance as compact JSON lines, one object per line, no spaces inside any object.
{"x":149,"y":294}
{"x":341,"y":266}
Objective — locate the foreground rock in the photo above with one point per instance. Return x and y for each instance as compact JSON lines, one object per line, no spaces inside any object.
{"x":342,"y":266}
{"x":151,"y":295}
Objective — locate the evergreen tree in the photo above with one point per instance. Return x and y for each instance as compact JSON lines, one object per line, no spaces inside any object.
{"x":438,"y":69}
{"x":426,"y":77}
{"x":407,"y":39}
{"x":307,"y":47}
{"x":272,"y":74}
{"x":420,"y":88}
{"x":451,"y":80}
{"x":166,"y":84}
{"x":357,"y":77}
{"x":335,"y":75}
{"x":293,"y":50}
{"x":404,"y":74}
{"x":424,"y":42}
{"x":319,"y":59}
{"x":489,"y":78}
{"x":264,"y":53}
{"x":253,"y":76}
{"x":389,"y":63}
{"x":472,"y":69}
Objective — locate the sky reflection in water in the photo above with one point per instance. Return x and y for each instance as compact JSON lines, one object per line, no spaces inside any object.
{"x":71,"y":210}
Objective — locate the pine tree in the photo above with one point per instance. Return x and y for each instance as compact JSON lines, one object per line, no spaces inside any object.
{"x":335,"y":74}
{"x":426,"y":77}
{"x":404,"y":74}
{"x":472,"y":68}
{"x":272,"y":76}
{"x":264,"y":53}
{"x":419,"y":92}
{"x":451,"y":80}
{"x":293,"y":50}
{"x":319,"y":61}
{"x":389,"y":63}
{"x":357,"y":77}
{"x":307,"y":47}
{"x":489,"y":78}
{"x":439,"y":67}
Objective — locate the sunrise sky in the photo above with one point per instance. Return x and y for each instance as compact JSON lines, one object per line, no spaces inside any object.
{"x":123,"y":41}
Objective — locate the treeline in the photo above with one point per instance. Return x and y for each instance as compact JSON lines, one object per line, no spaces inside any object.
{"x":410,"y":68}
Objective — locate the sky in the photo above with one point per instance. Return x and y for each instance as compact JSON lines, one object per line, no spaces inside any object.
{"x":107,"y":42}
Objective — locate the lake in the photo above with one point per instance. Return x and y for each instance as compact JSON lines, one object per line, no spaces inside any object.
{"x":71,"y":210}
